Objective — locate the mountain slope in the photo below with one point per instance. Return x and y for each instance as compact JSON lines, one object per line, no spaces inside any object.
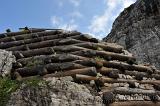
{"x":137,"y":28}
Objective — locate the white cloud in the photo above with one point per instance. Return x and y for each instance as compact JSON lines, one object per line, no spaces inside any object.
{"x":100,"y":23}
{"x":60,"y":3}
{"x":76,"y":14}
{"x":127,"y":3}
{"x":56,"y":20}
{"x":76,"y":3}
{"x":59,"y":23}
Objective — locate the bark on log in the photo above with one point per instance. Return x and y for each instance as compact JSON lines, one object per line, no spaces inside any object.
{"x":28,"y":36}
{"x":32,"y":39}
{"x":111,"y":47}
{"x":105,"y":55}
{"x":156,"y":76}
{"x":85,"y":37}
{"x":48,"y":43}
{"x":45,"y":34}
{"x":49,"y":68}
{"x":69,"y":48}
{"x":124,"y":91}
{"x":106,"y":71}
{"x":125,"y":66}
{"x":85,"y":71}
{"x":29,"y":53}
{"x":110,"y":80}
{"x":21,"y":32}
{"x":54,"y":58}
{"x":135,"y":103}
{"x":97,"y":46}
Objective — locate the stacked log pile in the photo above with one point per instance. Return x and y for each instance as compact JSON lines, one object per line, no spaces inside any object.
{"x":106,"y":66}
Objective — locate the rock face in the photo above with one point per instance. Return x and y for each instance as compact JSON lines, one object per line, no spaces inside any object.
{"x":138,"y":29}
{"x":58,"y":92}
{"x":6,"y":60}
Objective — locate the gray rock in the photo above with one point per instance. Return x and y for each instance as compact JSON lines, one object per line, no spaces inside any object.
{"x":58,"y":92}
{"x":137,"y":28}
{"x":6,"y":60}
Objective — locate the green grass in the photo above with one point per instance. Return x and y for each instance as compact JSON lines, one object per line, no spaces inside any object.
{"x":99,"y":48}
{"x":7,"y":86}
{"x":34,"y":62}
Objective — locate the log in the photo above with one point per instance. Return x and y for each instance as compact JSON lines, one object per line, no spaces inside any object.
{"x":16,"y":76}
{"x":138,"y":75}
{"x":34,"y":52}
{"x":125,"y":66}
{"x":106,"y":71}
{"x":111,"y":47}
{"x":125,"y":91}
{"x":30,"y":71}
{"x":97,"y":46}
{"x":85,"y":37}
{"x":52,"y":67}
{"x":45,"y":34}
{"x":105,"y":55}
{"x":19,"y":42}
{"x":85,"y":71}
{"x":68,"y":48}
{"x":21,"y":32}
{"x":32,"y":39}
{"x":46,"y":69}
{"x":110,"y":72}
{"x":135,"y":103}
{"x":110,"y":80}
{"x":28,"y":36}
{"x":156,"y":76}
{"x":54,"y":58}
{"x":48,"y":43}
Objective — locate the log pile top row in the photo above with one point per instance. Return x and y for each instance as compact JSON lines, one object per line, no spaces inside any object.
{"x":109,"y":68}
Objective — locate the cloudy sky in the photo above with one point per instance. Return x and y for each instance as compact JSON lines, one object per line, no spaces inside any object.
{"x":87,"y":16}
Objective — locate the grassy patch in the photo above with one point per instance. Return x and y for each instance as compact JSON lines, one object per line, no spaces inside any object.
{"x":34,"y":62}
{"x":99,"y":48}
{"x":34,"y":81}
{"x":7,"y":86}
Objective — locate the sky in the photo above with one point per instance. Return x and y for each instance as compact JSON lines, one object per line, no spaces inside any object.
{"x":94,"y":17}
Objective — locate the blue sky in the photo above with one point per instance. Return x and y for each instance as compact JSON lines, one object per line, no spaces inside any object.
{"x":88,"y":16}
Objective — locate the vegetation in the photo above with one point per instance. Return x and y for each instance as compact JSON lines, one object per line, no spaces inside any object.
{"x":34,"y":62}
{"x":99,"y":48}
{"x":7,"y":86}
{"x":98,"y":58}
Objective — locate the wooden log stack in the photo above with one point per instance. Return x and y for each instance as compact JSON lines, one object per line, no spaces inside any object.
{"x":59,"y":53}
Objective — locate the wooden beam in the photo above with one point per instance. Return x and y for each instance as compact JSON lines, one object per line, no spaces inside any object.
{"x":104,"y":54}
{"x":111,"y":80}
{"x":135,"y":103}
{"x":48,"y":68}
{"x":125,"y":66}
{"x":21,"y":32}
{"x":48,"y":43}
{"x":85,"y":71}
{"x":34,"y":52}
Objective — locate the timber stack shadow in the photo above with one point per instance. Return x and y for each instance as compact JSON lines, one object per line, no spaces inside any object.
{"x":60,"y":53}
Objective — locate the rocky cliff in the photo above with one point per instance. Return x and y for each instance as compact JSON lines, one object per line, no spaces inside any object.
{"x":137,"y":28}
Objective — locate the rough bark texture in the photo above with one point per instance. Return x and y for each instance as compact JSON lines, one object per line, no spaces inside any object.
{"x":138,"y":29}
